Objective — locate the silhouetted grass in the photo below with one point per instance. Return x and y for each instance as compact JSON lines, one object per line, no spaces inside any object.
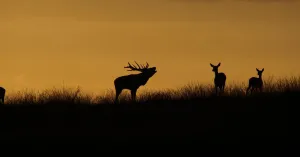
{"x":192,"y":91}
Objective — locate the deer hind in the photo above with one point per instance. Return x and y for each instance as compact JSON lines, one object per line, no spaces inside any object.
{"x":256,"y":83}
{"x":220,"y":78}
{"x":2,"y":95}
{"x":133,"y":81}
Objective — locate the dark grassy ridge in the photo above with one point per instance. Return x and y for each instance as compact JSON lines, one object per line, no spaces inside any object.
{"x":262,"y":118}
{"x":217,"y":120}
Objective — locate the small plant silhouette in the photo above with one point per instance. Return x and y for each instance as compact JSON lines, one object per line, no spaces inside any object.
{"x":133,"y":81}
{"x":2,"y":95}
{"x":220,"y":78}
{"x":256,"y":83}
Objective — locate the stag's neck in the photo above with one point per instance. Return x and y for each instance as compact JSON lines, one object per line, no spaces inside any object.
{"x":143,"y":78}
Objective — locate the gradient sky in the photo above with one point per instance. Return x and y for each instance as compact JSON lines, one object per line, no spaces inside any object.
{"x":44,"y":43}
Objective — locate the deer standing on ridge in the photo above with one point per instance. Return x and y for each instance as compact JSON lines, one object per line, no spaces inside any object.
{"x":256,"y":83}
{"x":220,"y":78}
{"x":133,"y":81}
{"x":2,"y":94}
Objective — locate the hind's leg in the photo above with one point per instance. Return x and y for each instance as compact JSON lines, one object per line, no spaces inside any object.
{"x":247,"y":91}
{"x":260,"y":89}
{"x":223,"y":88}
{"x":252,"y":89}
{"x":216,"y":89}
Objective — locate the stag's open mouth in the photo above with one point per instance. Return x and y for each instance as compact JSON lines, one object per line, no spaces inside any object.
{"x":154,"y":69}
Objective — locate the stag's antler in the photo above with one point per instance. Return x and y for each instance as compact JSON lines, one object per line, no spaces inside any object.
{"x":134,"y":68}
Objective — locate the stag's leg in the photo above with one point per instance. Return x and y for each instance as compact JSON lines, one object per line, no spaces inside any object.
{"x":133,"y":95}
{"x":118,"y":92}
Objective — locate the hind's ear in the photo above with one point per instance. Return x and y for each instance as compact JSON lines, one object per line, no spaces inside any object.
{"x":219,"y":64}
{"x":257,"y":69}
{"x":211,"y":65}
{"x":263,"y":69}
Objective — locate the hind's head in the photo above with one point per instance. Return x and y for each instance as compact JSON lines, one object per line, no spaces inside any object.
{"x":215,"y":68}
{"x":259,"y":72}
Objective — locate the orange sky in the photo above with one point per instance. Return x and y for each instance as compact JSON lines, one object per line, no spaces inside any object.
{"x":44,"y":43}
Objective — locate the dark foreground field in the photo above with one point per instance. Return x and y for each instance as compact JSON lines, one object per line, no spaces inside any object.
{"x":215,"y":121}
{"x":261,"y":119}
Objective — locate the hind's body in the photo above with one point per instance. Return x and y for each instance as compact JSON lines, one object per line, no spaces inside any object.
{"x":220,"y":81}
{"x":256,"y":83}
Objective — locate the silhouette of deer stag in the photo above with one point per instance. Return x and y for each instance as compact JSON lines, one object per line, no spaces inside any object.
{"x":256,"y":83}
{"x":133,"y":81}
{"x":2,"y":94}
{"x":220,"y":78}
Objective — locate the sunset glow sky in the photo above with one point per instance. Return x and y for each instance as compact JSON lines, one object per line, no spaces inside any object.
{"x":44,"y":43}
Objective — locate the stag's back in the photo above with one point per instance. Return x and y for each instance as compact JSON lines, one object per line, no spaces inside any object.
{"x":130,"y":81}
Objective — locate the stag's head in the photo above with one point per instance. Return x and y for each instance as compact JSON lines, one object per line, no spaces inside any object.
{"x":215,"y":68}
{"x":259,"y":72}
{"x":144,"y":69}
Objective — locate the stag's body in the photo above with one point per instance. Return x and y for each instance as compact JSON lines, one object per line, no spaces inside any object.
{"x":220,"y":78}
{"x":2,"y":94}
{"x":133,"y":81}
{"x":256,"y":83}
